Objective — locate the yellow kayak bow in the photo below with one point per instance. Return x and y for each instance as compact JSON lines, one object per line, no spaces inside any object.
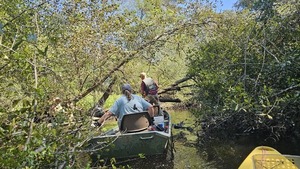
{"x":264,"y":157}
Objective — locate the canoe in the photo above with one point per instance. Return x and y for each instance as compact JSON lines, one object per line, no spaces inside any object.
{"x":134,"y":138}
{"x":264,"y":157}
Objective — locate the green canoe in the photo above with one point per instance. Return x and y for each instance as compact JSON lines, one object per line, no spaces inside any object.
{"x":134,"y":139}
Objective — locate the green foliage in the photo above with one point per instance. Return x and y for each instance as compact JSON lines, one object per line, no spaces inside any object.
{"x":240,"y":62}
{"x":109,"y":102}
{"x":53,"y":49}
{"x":35,"y":145}
{"x":253,"y":69}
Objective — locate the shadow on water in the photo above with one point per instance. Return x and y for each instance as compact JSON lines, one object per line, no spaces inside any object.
{"x":231,"y":153}
{"x":217,"y":155}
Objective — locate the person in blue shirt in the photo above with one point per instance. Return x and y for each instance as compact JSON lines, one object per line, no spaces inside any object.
{"x":126,"y":104}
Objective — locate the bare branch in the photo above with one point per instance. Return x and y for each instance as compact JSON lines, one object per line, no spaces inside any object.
{"x":286,"y":90}
{"x":175,"y":87}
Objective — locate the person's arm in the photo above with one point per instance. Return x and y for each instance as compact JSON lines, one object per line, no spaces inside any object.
{"x":105,"y":116}
{"x":151,"y":111}
{"x":147,"y":106}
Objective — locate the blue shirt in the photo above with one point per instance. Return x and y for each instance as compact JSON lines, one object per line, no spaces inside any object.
{"x":122,"y":106}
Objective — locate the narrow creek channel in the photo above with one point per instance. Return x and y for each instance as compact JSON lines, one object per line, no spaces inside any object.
{"x":220,"y":154}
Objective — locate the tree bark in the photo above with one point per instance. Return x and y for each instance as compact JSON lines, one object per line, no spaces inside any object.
{"x":176,"y":100}
{"x":105,"y":95}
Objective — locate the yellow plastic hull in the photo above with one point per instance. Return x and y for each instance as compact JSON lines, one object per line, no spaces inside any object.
{"x":264,"y":157}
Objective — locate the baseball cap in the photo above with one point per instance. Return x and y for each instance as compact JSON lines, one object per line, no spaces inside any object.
{"x":126,"y":87}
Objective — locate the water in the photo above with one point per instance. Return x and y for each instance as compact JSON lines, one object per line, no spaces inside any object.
{"x":231,"y":153}
{"x":218,"y":154}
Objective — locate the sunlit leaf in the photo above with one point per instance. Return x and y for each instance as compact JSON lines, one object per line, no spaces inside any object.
{"x":269,"y":117}
{"x":236,"y":107}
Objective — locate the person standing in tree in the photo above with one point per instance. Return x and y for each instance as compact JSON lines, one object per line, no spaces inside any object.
{"x":149,"y":89}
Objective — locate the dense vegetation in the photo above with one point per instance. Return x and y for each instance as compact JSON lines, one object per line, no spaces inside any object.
{"x":247,"y":72}
{"x":243,"y":65}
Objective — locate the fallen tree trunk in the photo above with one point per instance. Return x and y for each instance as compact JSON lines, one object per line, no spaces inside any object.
{"x":175,"y":87}
{"x":176,"y":100}
{"x":104,"y":97}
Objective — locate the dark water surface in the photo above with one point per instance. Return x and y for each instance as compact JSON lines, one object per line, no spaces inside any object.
{"x":219,"y":154}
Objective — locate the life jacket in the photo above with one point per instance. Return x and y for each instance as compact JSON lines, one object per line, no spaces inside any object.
{"x":150,"y":85}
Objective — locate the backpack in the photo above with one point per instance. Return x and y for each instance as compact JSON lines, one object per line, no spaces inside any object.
{"x":150,"y":86}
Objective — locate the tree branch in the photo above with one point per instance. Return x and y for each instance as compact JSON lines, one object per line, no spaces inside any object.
{"x":286,"y":90}
{"x":125,"y":60}
{"x":175,"y":86}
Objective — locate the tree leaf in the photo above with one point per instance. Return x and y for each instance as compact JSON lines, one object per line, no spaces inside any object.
{"x":269,"y":117}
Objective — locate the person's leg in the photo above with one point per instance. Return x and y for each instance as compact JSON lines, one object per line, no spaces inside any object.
{"x":155,"y":102}
{"x":151,"y":99}
{"x":156,"y":99}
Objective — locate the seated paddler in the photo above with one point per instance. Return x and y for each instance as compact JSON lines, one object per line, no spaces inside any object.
{"x":128,"y":103}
